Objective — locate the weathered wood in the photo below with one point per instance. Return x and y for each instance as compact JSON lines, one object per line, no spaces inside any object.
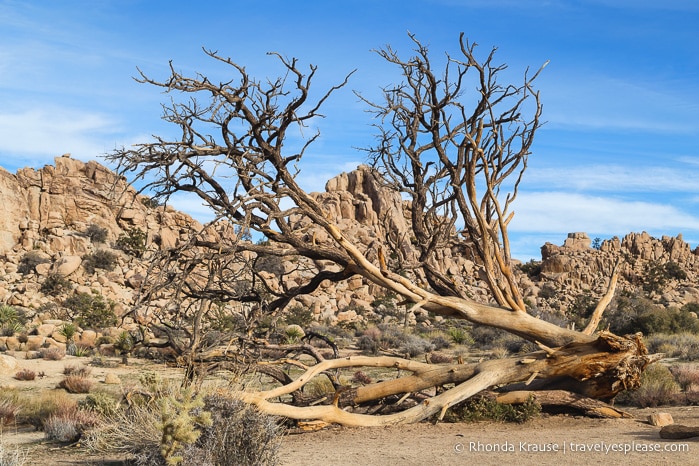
{"x":678,"y":432}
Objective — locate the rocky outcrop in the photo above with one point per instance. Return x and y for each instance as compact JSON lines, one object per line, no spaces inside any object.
{"x":45,"y":213}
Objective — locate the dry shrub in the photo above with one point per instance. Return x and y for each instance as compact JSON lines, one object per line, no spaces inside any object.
{"x":239,"y":435}
{"x":12,"y":456}
{"x":53,"y":353}
{"x":687,"y":376}
{"x":25,"y":374}
{"x":36,"y":410}
{"x":658,"y":387}
{"x":78,"y":371}
{"x":69,"y":426}
{"x":361,"y":377}
{"x":440,"y":358}
{"x":8,"y":412}
{"x":76,"y":384}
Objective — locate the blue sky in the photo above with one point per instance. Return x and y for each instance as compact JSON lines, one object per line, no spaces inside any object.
{"x":619,"y":152}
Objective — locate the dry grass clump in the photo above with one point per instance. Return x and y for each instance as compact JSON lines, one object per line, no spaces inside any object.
{"x":25,"y":374}
{"x":658,"y":387}
{"x":36,"y":410}
{"x":79,"y":371}
{"x":53,"y":353}
{"x":439,"y":358}
{"x":76,"y":384}
{"x":69,"y":426}
{"x":9,"y":409}
{"x":12,"y":456}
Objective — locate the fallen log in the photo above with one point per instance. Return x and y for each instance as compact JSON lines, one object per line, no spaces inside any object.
{"x":678,"y":432}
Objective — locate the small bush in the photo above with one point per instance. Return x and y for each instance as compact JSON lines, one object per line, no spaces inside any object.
{"x":76,"y":384}
{"x":69,"y":426}
{"x":96,"y":233}
{"x":239,"y":434}
{"x":53,"y":354}
{"x":36,"y":410}
{"x":101,"y":403}
{"x":415,"y":345}
{"x":531,"y":268}
{"x":299,"y":315}
{"x":78,"y":371}
{"x":368,"y":344}
{"x":686,"y":376}
{"x":487,"y":409}
{"x":361,"y":377}
{"x":30,"y":260}
{"x":25,"y":374}
{"x":9,"y":409}
{"x":12,"y":456}
{"x":440,"y":358}
{"x":133,"y":242}
{"x":91,"y":310}
{"x":658,"y":387}
{"x":100,"y":259}
{"x":459,"y":336}
{"x":55,"y":283}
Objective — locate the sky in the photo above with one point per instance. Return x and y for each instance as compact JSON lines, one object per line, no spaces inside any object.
{"x":619,"y":151}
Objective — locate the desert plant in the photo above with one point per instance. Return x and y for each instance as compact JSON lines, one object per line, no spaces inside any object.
{"x":687,"y":376}
{"x":439,"y":358}
{"x":101,"y":403}
{"x":239,"y":434}
{"x":76,"y":384}
{"x":91,"y":310}
{"x":180,"y":419}
{"x":299,"y":315}
{"x":361,"y":377}
{"x":69,"y":425}
{"x":9,"y":409}
{"x":658,"y":387}
{"x":30,"y":260}
{"x":12,"y":456}
{"x":100,"y":259}
{"x":36,"y":410}
{"x":78,"y":371}
{"x":25,"y":374}
{"x":55,"y":283}
{"x":485,"y":408}
{"x":415,"y":345}
{"x":292,"y":334}
{"x":53,"y":353}
{"x":459,"y":336}
{"x":68,"y":330}
{"x":133,"y":242}
{"x":96,"y":233}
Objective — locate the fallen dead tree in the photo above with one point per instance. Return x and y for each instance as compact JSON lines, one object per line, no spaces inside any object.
{"x":460,"y":169}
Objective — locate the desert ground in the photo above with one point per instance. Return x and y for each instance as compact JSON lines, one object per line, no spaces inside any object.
{"x":548,"y":439}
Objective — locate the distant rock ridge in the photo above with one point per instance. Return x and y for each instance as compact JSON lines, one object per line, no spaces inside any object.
{"x":48,"y":210}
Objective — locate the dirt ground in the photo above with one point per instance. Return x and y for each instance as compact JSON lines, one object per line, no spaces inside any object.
{"x":556,"y":439}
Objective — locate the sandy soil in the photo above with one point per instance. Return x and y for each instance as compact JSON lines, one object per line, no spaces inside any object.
{"x":564,"y":439}
{"x":578,"y":441}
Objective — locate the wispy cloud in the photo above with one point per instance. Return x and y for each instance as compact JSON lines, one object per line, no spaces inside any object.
{"x":566,"y":212}
{"x":41,"y":134}
{"x":617,"y":178}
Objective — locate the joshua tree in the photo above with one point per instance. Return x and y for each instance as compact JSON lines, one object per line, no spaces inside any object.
{"x":455,"y":142}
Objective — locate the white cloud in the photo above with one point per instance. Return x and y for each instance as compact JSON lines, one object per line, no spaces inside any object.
{"x":41,"y":134}
{"x":616,"y":178}
{"x":566,"y":212}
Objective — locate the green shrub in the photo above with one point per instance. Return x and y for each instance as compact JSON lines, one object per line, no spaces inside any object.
{"x":100,"y":259}
{"x":55,"y":283}
{"x":133,"y":242}
{"x":30,"y":260}
{"x":460,"y":336}
{"x":91,"y":310}
{"x":531,"y":268}
{"x":299,"y":315}
{"x":96,"y":233}
{"x":101,"y":403}
{"x":487,"y":409}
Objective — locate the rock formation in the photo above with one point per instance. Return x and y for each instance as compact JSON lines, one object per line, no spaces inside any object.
{"x":45,"y":215}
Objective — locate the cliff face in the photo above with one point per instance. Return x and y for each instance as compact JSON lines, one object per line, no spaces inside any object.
{"x":47,"y":212}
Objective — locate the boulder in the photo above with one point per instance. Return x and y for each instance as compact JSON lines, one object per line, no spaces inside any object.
{"x":8,"y":365}
{"x":66,"y":265}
